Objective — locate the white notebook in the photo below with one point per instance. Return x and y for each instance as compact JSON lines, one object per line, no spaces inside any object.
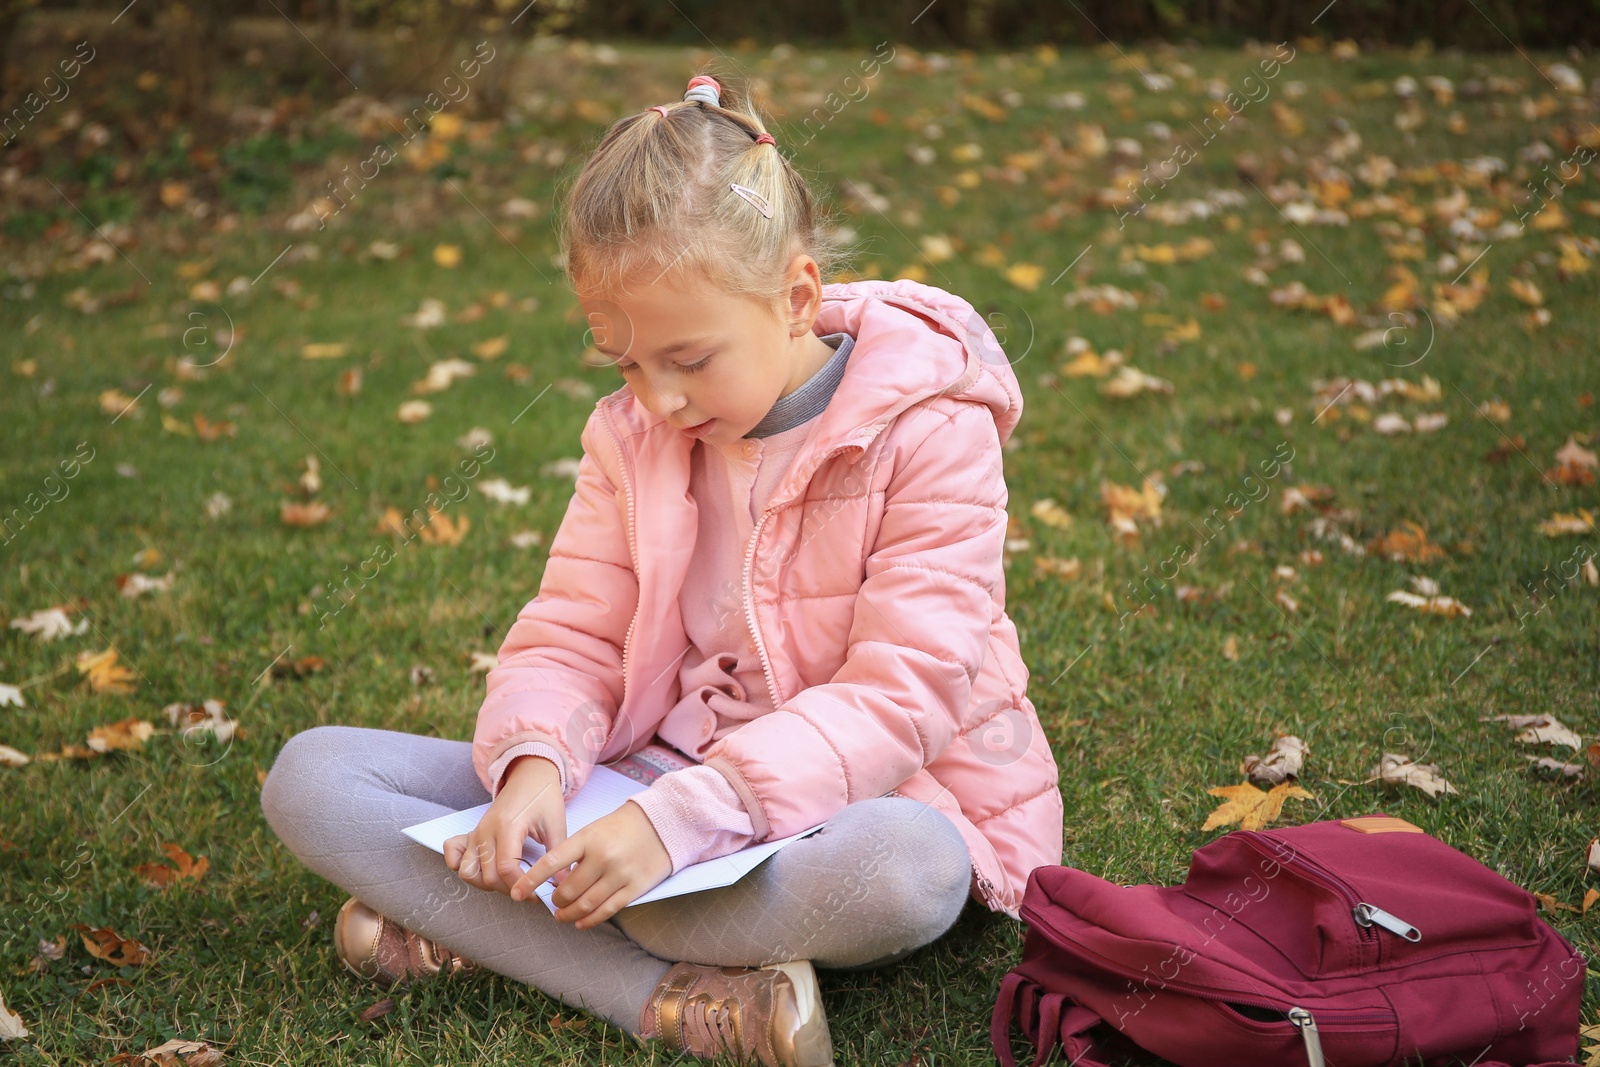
{"x":603,"y":792}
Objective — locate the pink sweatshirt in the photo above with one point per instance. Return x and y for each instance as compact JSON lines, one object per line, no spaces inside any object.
{"x":695,"y":811}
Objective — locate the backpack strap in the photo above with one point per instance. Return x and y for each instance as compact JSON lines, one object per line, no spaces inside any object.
{"x":1047,"y":1019}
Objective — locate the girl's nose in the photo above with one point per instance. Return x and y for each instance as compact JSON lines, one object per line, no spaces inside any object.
{"x":666,"y":401}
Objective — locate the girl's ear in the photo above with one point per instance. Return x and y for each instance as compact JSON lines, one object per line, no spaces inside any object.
{"x":804,"y":282}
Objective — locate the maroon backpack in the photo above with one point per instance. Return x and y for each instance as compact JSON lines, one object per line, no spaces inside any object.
{"x":1353,"y":943}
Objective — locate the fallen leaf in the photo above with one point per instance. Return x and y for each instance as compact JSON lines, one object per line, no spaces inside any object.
{"x":1230,"y":648}
{"x":48,"y":624}
{"x":1449,"y":607}
{"x":1283,"y":761}
{"x":413,"y":411}
{"x":185,"y":868}
{"x":1130,"y":382}
{"x":447,"y":256}
{"x":1407,"y":544}
{"x":1394,"y":769}
{"x":493,"y":348}
{"x":1250,"y":807}
{"x":208,"y":717}
{"x":11,"y":696}
{"x":1562,"y":524}
{"x":323,"y":350}
{"x":1060,"y":568}
{"x":1050,"y":513}
{"x":1556,"y":767}
{"x":310,"y":513}
{"x":503,"y":492}
{"x":132,"y":585}
{"x":11,"y":1027}
{"x":441,"y":374}
{"x":124,"y":734}
{"x":104,"y":943}
{"x":183,"y":1053}
{"x":1539,"y":730}
{"x":104,"y":673}
{"x":12,"y":757}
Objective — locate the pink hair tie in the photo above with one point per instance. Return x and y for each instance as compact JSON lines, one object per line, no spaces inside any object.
{"x":658,"y":107}
{"x":766,"y":138}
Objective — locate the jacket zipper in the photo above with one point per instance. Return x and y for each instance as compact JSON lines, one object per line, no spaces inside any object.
{"x":633,"y":552}
{"x":749,"y":591}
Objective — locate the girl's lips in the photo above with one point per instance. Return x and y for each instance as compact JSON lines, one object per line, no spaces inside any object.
{"x":700,"y":430}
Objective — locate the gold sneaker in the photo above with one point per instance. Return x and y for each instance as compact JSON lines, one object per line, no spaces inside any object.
{"x":767,"y":1015}
{"x":381,"y":950}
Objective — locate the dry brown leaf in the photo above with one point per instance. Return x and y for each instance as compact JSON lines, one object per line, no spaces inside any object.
{"x":12,"y":757}
{"x":442,"y":530}
{"x":1539,"y":730}
{"x":1282,"y":762}
{"x":1449,"y":607}
{"x":1230,"y":648}
{"x":493,"y":348}
{"x":183,"y":1053}
{"x":1394,"y":769}
{"x":1060,"y":568}
{"x":1050,"y":513}
{"x":1130,"y":382}
{"x":187,"y":868}
{"x":1407,"y":544}
{"x":323,"y":350}
{"x":309,"y":513}
{"x":105,"y":674}
{"x":1250,"y":807}
{"x":11,"y":1025}
{"x":125,"y":734}
{"x":1562,"y":523}
{"x":104,"y":943}
{"x":1556,"y":767}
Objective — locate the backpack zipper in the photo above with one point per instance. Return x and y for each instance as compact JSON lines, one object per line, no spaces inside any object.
{"x":1308,"y":1032}
{"x":1345,"y":890}
{"x":1372,"y":915}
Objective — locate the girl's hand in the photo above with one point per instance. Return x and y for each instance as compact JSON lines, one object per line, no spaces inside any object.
{"x":529,"y":801}
{"x":619,"y":857}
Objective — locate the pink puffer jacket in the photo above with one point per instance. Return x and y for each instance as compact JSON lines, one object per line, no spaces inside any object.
{"x":873,"y":583}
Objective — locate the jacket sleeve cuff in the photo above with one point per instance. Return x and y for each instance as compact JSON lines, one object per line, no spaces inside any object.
{"x":697,"y":815}
{"x":497,"y":769}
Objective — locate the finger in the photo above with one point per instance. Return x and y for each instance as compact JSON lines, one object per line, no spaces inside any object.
{"x":508,"y":863}
{"x":587,"y":880}
{"x":453,"y":849}
{"x":556,"y":859}
{"x":593,"y":895}
{"x":613,"y":904}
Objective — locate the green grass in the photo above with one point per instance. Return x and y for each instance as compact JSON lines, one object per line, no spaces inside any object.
{"x":1144,"y":717}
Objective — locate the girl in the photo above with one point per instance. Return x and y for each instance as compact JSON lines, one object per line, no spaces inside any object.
{"x":776,"y":596}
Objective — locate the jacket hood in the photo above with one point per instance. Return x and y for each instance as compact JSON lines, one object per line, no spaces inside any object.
{"x":912,"y":342}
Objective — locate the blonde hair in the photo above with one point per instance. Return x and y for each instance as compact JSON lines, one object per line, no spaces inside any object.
{"x":655,"y":195}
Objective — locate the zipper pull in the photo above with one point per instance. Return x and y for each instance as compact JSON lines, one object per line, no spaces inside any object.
{"x":1370,"y":915}
{"x":1308,"y":1032}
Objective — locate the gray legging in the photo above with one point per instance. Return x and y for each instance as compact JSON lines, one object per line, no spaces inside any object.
{"x":882,"y":878}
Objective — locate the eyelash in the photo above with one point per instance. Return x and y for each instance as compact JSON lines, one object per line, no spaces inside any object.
{"x":687,"y":368}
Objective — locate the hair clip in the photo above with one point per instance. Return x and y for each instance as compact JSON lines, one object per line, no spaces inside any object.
{"x":754,"y":197}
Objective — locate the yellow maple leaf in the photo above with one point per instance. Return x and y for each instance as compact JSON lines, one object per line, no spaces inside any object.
{"x":105,"y":674}
{"x":1025,"y":275}
{"x":442,"y":530}
{"x":1250,"y":807}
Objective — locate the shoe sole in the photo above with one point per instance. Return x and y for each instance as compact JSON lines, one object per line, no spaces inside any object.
{"x":813,"y":1045}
